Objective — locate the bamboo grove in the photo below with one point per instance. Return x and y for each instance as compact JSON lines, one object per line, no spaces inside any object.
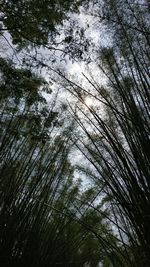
{"x":47,"y":216}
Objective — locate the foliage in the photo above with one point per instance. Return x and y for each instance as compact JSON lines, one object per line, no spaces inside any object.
{"x":33,"y":21}
{"x":45,"y":219}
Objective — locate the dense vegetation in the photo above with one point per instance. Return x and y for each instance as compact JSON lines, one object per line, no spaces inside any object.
{"x":48,"y":214}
